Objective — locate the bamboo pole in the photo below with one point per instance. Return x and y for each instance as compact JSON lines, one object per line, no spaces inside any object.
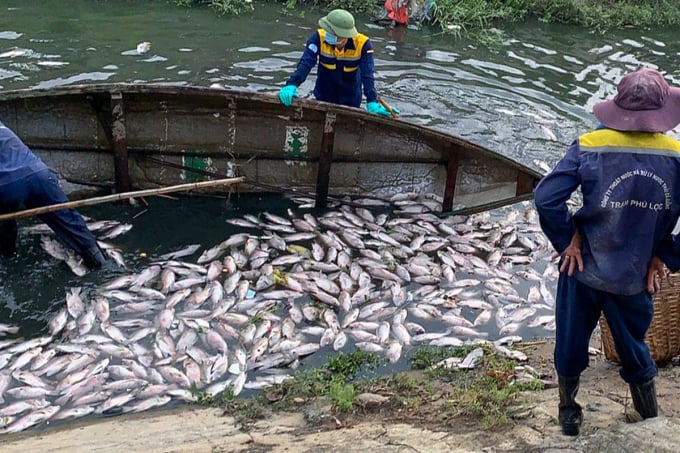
{"x":119,"y":196}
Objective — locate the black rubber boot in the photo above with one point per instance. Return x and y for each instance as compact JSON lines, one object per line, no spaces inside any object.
{"x":570,"y":412}
{"x":94,"y":257}
{"x":644,"y":399}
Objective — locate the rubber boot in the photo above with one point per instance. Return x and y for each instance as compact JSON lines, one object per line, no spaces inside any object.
{"x":570,"y":412}
{"x":94,"y":257}
{"x":644,"y":399}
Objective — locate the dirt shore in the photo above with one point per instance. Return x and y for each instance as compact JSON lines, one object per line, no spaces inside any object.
{"x":385,"y":429}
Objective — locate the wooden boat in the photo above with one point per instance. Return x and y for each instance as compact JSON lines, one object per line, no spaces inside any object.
{"x":146,"y":136}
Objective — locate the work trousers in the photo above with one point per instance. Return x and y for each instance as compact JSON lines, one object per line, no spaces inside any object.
{"x":577,"y":311}
{"x":36,"y":190}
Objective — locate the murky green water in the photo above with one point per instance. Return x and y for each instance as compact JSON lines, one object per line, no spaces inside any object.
{"x":527,"y":98}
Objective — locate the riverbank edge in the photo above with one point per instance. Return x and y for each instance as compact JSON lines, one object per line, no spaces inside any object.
{"x":200,"y":429}
{"x":471,"y":17}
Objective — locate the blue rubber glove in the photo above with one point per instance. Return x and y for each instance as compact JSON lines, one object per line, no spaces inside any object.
{"x":377,"y":109}
{"x":287,"y":93}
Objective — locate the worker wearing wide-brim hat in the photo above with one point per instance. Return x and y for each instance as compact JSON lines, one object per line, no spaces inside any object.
{"x":613,"y":247}
{"x":345,"y":65}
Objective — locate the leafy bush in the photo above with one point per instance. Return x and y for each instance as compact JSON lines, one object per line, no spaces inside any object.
{"x":223,"y":7}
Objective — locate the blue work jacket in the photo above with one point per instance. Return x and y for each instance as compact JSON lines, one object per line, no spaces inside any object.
{"x":16,"y":159}
{"x":630,"y":182}
{"x":341,"y":73}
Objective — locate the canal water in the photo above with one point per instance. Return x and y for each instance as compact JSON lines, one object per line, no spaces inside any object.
{"x":526,"y":98}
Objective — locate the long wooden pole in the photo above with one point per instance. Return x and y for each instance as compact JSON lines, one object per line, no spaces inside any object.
{"x":119,"y":196}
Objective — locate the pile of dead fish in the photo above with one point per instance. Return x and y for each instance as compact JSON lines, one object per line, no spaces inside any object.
{"x":104,"y":229}
{"x":251,"y":308}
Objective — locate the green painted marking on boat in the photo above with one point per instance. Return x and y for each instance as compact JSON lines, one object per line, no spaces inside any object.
{"x":296,"y":141}
{"x":197,"y":163}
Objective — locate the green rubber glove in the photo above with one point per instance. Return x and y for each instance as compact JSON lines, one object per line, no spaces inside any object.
{"x":377,"y":109}
{"x":287,"y":93}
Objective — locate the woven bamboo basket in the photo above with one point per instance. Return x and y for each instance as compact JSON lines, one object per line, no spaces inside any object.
{"x":663,"y":336}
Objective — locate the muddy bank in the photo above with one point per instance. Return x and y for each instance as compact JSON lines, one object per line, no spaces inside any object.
{"x":534,"y":427}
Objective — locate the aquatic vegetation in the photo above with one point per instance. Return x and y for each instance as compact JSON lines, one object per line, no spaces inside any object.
{"x":483,"y":19}
{"x":347,"y":366}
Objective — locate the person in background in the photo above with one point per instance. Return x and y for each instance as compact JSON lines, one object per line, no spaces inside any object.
{"x":26,"y":181}
{"x":611,"y":249}
{"x":422,"y":11}
{"x":345,"y":65}
{"x":397,"y":11}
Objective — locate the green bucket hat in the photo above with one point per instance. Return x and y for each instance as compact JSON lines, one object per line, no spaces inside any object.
{"x":340,"y":23}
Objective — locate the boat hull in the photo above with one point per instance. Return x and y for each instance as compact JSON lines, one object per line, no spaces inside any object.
{"x":146,"y":136}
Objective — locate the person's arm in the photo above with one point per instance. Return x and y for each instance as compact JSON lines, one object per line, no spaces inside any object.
{"x":669,"y":251}
{"x":656,"y":271}
{"x":309,"y":59}
{"x":367,"y":68}
{"x":551,"y":195}
{"x":572,"y":259}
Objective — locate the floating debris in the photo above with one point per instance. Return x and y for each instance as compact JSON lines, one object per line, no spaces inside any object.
{"x":143,"y":47}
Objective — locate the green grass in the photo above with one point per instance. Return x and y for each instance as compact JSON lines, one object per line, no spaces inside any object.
{"x":347,"y":366}
{"x":342,"y":396}
{"x":487,"y":394}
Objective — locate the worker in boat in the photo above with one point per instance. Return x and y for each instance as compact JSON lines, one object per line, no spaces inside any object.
{"x":345,"y":65}
{"x":614,"y":247}
{"x":26,"y":181}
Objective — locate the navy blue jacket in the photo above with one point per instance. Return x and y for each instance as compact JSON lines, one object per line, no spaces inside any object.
{"x":341,"y":73}
{"x":630,"y":182}
{"x":16,"y":160}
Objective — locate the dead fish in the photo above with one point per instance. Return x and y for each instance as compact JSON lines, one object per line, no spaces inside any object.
{"x":53,"y":248}
{"x":185,"y":251}
{"x":75,"y":263}
{"x":32,"y":419}
{"x":117,"y":231}
{"x":472,"y":359}
{"x":394,"y":349}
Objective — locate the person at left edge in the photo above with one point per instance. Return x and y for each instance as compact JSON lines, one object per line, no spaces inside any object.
{"x":25,"y":180}
{"x":345,"y":65}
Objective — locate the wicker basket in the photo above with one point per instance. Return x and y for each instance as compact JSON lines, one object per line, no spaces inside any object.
{"x":663,"y":336}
